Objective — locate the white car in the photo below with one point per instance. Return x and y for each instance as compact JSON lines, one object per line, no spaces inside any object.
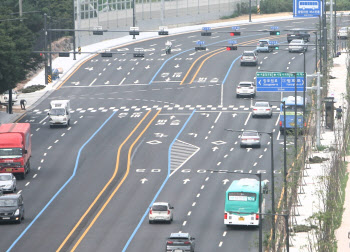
{"x":161,"y":212}
{"x":8,"y":182}
{"x":297,"y":45}
{"x":245,"y":88}
{"x":4,"y":98}
{"x":343,"y":32}
{"x":262,"y":108}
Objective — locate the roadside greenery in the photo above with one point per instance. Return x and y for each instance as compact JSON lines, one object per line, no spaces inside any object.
{"x":20,"y":37}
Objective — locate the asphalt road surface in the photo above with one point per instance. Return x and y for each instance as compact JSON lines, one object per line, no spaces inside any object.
{"x":148,"y":129}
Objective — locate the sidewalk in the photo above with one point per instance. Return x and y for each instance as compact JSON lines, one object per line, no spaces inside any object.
{"x":308,"y":193}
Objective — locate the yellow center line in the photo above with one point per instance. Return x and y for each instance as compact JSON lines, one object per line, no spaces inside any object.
{"x":116,"y":189}
{"x":188,"y":72}
{"x":104,"y":188}
{"x":199,"y":68}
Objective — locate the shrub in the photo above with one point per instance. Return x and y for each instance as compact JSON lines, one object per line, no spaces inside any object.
{"x":33,"y":88}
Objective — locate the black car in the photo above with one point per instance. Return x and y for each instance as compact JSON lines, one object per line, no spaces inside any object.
{"x":298,"y":34}
{"x":11,"y":208}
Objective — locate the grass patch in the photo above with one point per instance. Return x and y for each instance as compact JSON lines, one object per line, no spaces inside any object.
{"x":33,"y":88}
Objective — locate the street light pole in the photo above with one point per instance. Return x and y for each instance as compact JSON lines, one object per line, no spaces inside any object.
{"x":250,"y":10}
{"x":285,"y":155}
{"x":133,"y":16}
{"x":295,"y":115}
{"x":272,"y":188}
{"x":260,"y":222}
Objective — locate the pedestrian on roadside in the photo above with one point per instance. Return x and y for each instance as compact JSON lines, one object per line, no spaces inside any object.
{"x":23,"y":104}
{"x":338,"y":112}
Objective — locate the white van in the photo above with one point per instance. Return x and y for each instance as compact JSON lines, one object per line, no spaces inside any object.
{"x":4,"y":98}
{"x":59,"y":113}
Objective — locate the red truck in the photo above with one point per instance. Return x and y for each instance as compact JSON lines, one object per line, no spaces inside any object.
{"x":15,"y":148}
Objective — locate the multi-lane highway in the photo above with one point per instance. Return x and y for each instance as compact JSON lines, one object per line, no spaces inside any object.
{"x":146,"y":129}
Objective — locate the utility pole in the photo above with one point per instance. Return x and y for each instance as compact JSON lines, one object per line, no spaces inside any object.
{"x":78,"y":8}
{"x":20,"y":8}
{"x":45,"y":47}
{"x":318,"y":109}
{"x":250,"y":10}
{"x":331,"y":25}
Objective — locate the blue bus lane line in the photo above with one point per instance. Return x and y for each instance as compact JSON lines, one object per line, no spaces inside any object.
{"x":162,"y":186}
{"x":62,"y":187}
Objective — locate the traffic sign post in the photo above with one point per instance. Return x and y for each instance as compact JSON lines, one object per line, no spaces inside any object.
{"x":278,"y":82}
{"x":307,"y":8}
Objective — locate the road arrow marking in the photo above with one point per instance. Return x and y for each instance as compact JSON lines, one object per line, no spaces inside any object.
{"x":107,"y":82}
{"x":143,"y":180}
{"x":119,"y":68}
{"x":89,"y":68}
{"x":234,"y":115}
{"x":185,"y":181}
{"x":192,"y":134}
{"x":177,"y":66}
{"x":168,"y":79}
{"x":215,"y":148}
{"x":147,"y":67}
{"x":137,"y":81}
{"x":249,"y":149}
{"x":225,"y":181}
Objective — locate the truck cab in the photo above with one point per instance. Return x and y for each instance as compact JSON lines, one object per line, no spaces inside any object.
{"x":59,"y":113}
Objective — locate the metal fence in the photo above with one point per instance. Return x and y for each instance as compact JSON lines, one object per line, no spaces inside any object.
{"x":149,"y":14}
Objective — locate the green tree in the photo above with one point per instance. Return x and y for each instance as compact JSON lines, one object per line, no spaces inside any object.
{"x":16,"y":57}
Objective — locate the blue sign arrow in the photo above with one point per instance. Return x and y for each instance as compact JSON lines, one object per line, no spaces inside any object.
{"x":235,"y":27}
{"x":200,"y":42}
{"x":206,"y":28}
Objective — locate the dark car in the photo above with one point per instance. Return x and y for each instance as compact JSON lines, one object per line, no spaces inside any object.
{"x":180,"y":242}
{"x":298,"y":34}
{"x":11,"y":208}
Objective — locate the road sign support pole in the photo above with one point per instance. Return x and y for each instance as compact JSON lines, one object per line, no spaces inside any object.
{"x":250,"y":10}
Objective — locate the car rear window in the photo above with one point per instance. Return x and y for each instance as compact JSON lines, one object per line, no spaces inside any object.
{"x":250,"y":134}
{"x":248,"y":54}
{"x":263,"y":43}
{"x":245,"y":85}
{"x":159,"y":208}
{"x":261,"y":104}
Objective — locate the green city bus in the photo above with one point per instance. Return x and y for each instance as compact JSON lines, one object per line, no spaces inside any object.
{"x":242,"y":202}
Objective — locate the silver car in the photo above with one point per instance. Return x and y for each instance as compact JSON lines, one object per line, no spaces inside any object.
{"x":343,"y":32}
{"x":262,"y":108}
{"x":180,"y":241}
{"x":297,"y":45}
{"x":246,"y":88}
{"x":249,"y":58}
{"x":263,"y":46}
{"x":160,"y":211}
{"x":8,"y":182}
{"x":250,"y":138}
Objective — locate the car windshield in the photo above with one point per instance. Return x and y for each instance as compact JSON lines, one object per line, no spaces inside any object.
{"x":5,"y":177}
{"x":250,"y":134}
{"x":261,"y":104}
{"x":57,"y":112}
{"x":10,"y":153}
{"x":8,"y":203}
{"x":159,"y":208}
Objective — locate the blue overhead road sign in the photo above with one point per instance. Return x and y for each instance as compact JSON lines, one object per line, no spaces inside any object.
{"x":307,"y":8}
{"x":278,"y":82}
